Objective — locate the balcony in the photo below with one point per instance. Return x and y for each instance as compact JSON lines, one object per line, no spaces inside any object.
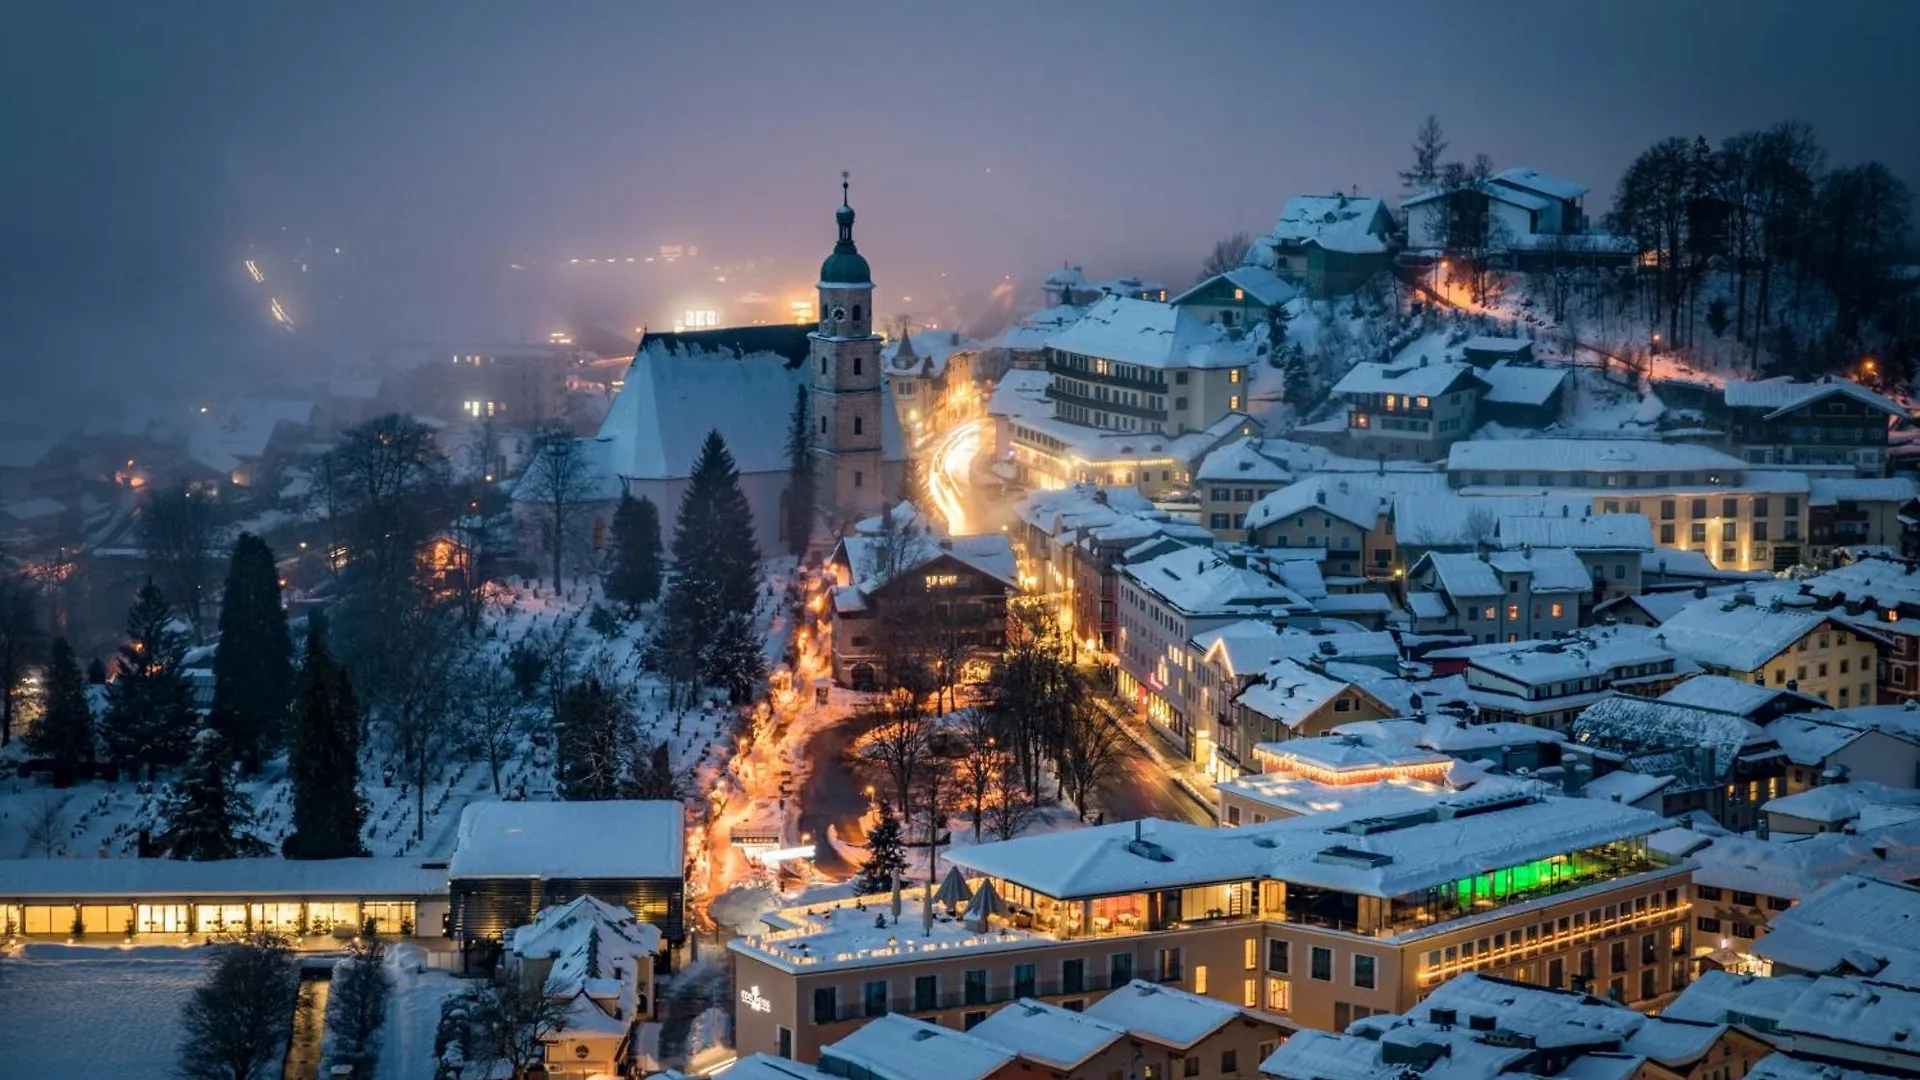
{"x":1058,"y":393}
{"x":1151,"y":386}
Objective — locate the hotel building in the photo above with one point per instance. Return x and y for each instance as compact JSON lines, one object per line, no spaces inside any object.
{"x":1323,"y":919}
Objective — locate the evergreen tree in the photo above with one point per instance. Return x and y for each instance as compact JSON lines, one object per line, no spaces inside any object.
{"x":65,"y":731}
{"x":323,"y":758}
{"x":716,"y":570}
{"x":1428,"y":144}
{"x":207,"y":817}
{"x":1296,"y":384}
{"x":591,"y":726}
{"x":801,"y":487}
{"x":734,"y":660}
{"x":652,"y":776}
{"x":253,"y":671}
{"x":886,"y":854}
{"x":96,"y":672}
{"x":635,"y":577}
{"x":150,"y":705}
{"x":913,"y":485}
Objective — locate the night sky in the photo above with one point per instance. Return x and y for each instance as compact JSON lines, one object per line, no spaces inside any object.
{"x":436,"y":143}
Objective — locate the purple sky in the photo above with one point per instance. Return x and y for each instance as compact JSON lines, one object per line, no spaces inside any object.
{"x":436,"y":142}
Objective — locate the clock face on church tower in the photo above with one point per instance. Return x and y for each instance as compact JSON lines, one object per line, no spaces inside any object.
{"x":837,"y":314}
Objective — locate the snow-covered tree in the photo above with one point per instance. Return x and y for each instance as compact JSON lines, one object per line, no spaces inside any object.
{"x":65,"y":731}
{"x":593,"y":723}
{"x":149,"y":704}
{"x":634,"y":578}
{"x":801,"y":482}
{"x":234,"y":1025}
{"x":886,"y":852}
{"x":323,"y":758}
{"x":716,"y":573}
{"x":207,"y":817}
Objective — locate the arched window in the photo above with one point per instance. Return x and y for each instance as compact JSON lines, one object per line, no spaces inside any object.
{"x":856,"y":313}
{"x":823,"y":365}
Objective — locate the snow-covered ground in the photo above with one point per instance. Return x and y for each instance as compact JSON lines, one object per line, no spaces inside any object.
{"x":80,"y":1013}
{"x":413,"y":1015}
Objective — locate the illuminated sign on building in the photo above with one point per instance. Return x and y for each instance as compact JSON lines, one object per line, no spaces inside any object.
{"x":750,"y":997}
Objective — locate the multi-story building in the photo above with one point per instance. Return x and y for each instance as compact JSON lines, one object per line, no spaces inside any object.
{"x":846,"y":396}
{"x":1337,"y":513}
{"x":1329,"y":245}
{"x":1880,"y":598}
{"x":1496,"y":596}
{"x":1548,"y":683}
{"x":1410,"y":410}
{"x":1854,"y":512}
{"x":1780,"y":638}
{"x":1243,"y":296}
{"x":1294,"y":699}
{"x":1230,"y":659}
{"x":518,"y":386}
{"x":1699,"y":761}
{"x":1316,"y":918}
{"x":1696,"y":497}
{"x":1364,"y":775}
{"x":915,"y":601}
{"x":1164,"y":603}
{"x":1139,"y":366}
{"x":1833,"y":423}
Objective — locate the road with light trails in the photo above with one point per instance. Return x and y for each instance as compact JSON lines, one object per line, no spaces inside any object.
{"x":950,"y":470}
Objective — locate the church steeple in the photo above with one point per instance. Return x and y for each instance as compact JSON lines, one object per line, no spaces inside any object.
{"x":846,"y":267}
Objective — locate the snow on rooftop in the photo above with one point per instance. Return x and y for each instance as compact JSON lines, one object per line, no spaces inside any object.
{"x":1589,"y":651}
{"x":1510,"y":346}
{"x":1625,"y":786}
{"x":989,"y":553}
{"x":1250,"y":645}
{"x":1152,"y":335}
{"x":1522,"y":384}
{"x":1450,"y":519}
{"x":1420,"y":379}
{"x":1528,"y":456}
{"x":1256,"y":281}
{"x":672,"y":398}
{"x":1201,"y":581}
{"x":1833,"y":804}
{"x":1635,"y":725}
{"x":1340,"y":223}
{"x":1738,"y":697}
{"x":1300,"y":796}
{"x":1545,"y":184}
{"x":1784,"y":394}
{"x":1324,"y":1055}
{"x":1163,"y":1014}
{"x":1781,"y":1067}
{"x":898,"y":1047}
{"x":1356,"y":503}
{"x":624,"y":838}
{"x":1057,"y":1037}
{"x":1289,"y":692}
{"x":1739,"y":632}
{"x":1857,"y":924}
{"x":1467,"y":575}
{"x":926,"y":351}
{"x":1796,"y":866}
{"x":1833,"y":490}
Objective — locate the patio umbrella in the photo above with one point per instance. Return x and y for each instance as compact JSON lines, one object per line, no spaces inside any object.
{"x":954,"y":891}
{"x":986,"y":903}
{"x":926,"y":909}
{"x":896,"y":896}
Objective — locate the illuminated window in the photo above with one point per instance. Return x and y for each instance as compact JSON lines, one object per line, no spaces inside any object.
{"x":1278,"y":999}
{"x":1233,"y":403}
{"x":1423,"y":403}
{"x":942,"y":581}
{"x":1233,"y":375}
{"x":1489,"y":613}
{"x":1557,"y":609}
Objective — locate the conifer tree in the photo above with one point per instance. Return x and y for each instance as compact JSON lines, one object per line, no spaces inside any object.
{"x":96,"y":672}
{"x":1296,"y":384}
{"x":591,"y":723}
{"x":323,"y":757}
{"x":207,"y":817}
{"x":886,"y":854}
{"x":801,"y":484}
{"x":716,"y":570}
{"x":65,"y":731}
{"x":149,"y":704}
{"x":253,"y":671}
{"x":635,"y":577}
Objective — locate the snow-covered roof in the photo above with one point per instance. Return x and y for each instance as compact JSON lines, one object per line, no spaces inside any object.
{"x":1510,"y":346}
{"x":1588,"y":455}
{"x":1056,"y":1037}
{"x":1782,"y":395}
{"x":1587,"y":652}
{"x":1030,"y":332}
{"x":1256,"y":281}
{"x":1522,"y":384}
{"x":1873,"y":1015}
{"x":1794,"y":866}
{"x":1593,"y":532}
{"x":1451,"y":735}
{"x":898,"y":1047}
{"x":1163,"y":1014}
{"x":1241,"y":461}
{"x":1250,"y":645}
{"x":22,"y":879}
{"x":1293,"y":794}
{"x":26,"y":453}
{"x":1738,"y":632}
{"x":1810,"y":740}
{"x":1453,"y":840}
{"x":1632,"y":724}
{"x":1833,"y":804}
{"x":760,"y":1067}
{"x":673,"y":398}
{"x":1737,"y":697}
{"x":927,"y":350}
{"x":1469,"y":575}
{"x":1625,"y":786}
{"x":1450,"y":519}
{"x":599,"y":955}
{"x":1525,"y":200}
{"x":1421,"y":379}
{"x":989,"y":553}
{"x":1201,"y":581}
{"x":1679,"y":562}
{"x":1289,"y":692}
{"x":1781,"y":1067}
{"x":1348,"y":751}
{"x":1832,"y":490}
{"x":1152,"y":335}
{"x":1339,"y":496}
{"x":1335,"y":222}
{"x":1546,"y":184}
{"x":625,"y":838}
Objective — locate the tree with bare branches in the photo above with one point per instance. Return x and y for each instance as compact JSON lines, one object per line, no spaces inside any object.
{"x":1091,"y":753}
{"x":182,"y":540}
{"x":1227,"y":253}
{"x":560,"y":480}
{"x":900,"y":744}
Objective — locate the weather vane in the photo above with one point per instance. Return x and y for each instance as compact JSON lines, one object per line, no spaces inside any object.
{"x":844,"y":175}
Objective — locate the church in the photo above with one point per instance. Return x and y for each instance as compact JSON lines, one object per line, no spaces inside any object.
{"x":744,"y":382}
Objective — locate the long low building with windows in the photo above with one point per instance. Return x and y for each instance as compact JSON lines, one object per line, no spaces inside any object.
{"x":1323,"y":919}
{"x":170,"y":899}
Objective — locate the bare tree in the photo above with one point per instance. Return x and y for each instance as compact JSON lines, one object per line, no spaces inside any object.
{"x":561,"y":480}
{"x":1091,"y":754}
{"x":182,"y":541}
{"x":411,"y":688}
{"x":508,"y":1025}
{"x":234,"y":1024}
{"x":982,"y":760}
{"x":47,"y":824}
{"x":900,"y":745}
{"x":357,"y":1005}
{"x":1227,"y":253}
{"x":494,"y":711}
{"x":386,"y":480}
{"x":1009,"y":806}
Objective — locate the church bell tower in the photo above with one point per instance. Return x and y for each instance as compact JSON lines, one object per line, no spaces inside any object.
{"x":846,"y":393}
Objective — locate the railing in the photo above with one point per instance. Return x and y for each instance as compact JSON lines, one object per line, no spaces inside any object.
{"x":1109,"y":405}
{"x":1156,"y":386}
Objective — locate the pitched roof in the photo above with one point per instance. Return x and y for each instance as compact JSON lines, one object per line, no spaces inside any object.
{"x":1201,"y":581}
{"x":1738,"y":632}
{"x":898,"y":1047}
{"x":1831,"y":490}
{"x":1857,"y":924}
{"x":1591,"y":532}
{"x":1633,"y":725}
{"x":1522,"y":384}
{"x":926,"y":350}
{"x":1782,"y":395}
{"x":1256,"y":281}
{"x":623,"y":838}
{"x":1166,"y":1015}
{"x":1334,"y":222}
{"x":1588,"y":455}
{"x":1151,"y":335}
{"x":1059,"y":1038}
{"x":1340,"y":497}
{"x":1736,"y":697}
{"x":1545,"y":184}
{"x":786,"y":340}
{"x":1288,"y":692}
{"x":1420,"y":379}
